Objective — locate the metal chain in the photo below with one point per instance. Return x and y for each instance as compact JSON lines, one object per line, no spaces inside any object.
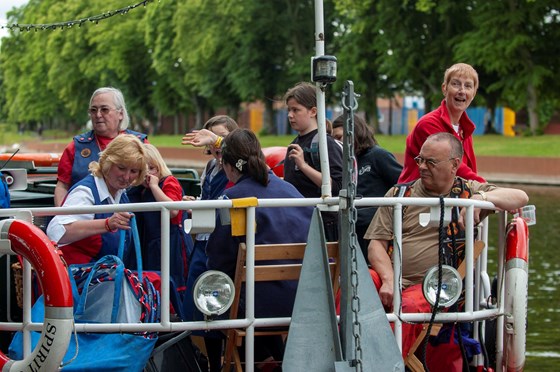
{"x":349,"y":95}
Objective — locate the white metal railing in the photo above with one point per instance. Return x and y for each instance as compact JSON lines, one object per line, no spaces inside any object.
{"x":476,"y":279}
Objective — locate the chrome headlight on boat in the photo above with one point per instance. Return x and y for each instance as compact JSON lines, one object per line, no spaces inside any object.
{"x":451,"y":286}
{"x":213,"y":293}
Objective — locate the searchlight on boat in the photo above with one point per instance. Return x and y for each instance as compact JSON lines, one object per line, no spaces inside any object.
{"x":451,"y":286}
{"x":213,"y":293}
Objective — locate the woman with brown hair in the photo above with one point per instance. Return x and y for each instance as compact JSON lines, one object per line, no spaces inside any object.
{"x":245,"y":166}
{"x":378,"y":171}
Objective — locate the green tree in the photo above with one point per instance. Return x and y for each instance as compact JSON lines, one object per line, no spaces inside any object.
{"x":358,"y":60}
{"x":244,"y":50}
{"x":274,"y":42}
{"x":203,"y":44}
{"x":170,"y":93}
{"x":51,"y":73}
{"x":175,"y":57}
{"x":517,"y":41}
{"x":67,"y":54}
{"x":27,"y":93}
{"x":122,"y":59}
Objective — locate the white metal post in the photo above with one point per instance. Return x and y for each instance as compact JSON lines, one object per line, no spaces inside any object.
{"x":165,"y":265}
{"x":397,"y":270}
{"x":250,"y":290}
{"x":321,"y":117}
{"x":501,"y":291}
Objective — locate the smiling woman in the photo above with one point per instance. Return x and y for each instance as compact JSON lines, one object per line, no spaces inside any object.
{"x":87,"y":237}
{"x":459,"y":87}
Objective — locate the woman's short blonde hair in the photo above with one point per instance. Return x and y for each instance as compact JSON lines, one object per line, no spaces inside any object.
{"x":154,"y":157}
{"x":461,"y":69}
{"x":125,"y":149}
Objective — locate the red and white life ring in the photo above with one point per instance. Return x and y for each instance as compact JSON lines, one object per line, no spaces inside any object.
{"x":30,"y":242}
{"x":516,"y":291}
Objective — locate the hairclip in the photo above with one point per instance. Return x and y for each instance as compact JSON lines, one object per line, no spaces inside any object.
{"x":239,"y":164}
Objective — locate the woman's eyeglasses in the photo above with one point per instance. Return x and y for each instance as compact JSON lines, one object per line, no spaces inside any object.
{"x":104,"y":110}
{"x":456,"y":84}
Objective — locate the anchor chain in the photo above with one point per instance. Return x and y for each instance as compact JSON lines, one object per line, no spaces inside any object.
{"x":350,"y":104}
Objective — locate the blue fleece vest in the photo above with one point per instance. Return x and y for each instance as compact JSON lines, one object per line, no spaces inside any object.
{"x":86,"y":151}
{"x":149,"y":229}
{"x":213,"y":187}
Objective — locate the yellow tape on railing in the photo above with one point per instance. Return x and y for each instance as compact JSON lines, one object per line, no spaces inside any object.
{"x":238,"y":214}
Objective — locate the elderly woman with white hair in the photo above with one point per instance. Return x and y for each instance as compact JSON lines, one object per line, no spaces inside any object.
{"x":109,"y":118}
{"x":85,"y":238}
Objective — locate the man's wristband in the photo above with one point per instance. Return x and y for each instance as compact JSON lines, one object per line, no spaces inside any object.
{"x":218,"y":142}
{"x":482,"y":195}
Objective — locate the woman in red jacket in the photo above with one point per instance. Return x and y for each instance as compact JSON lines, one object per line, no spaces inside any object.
{"x":459,"y":86}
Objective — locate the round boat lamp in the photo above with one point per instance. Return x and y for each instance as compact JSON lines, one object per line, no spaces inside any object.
{"x":451,"y":286}
{"x":213,"y":293}
{"x":323,"y":69}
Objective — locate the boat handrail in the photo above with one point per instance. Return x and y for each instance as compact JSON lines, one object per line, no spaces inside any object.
{"x":471,"y":312}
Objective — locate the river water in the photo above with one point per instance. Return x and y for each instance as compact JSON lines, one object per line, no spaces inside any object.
{"x":543,"y":338}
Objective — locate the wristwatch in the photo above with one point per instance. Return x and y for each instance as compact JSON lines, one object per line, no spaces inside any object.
{"x":482,"y":195}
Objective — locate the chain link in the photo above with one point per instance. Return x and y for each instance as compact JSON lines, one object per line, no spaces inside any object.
{"x":353,"y":216}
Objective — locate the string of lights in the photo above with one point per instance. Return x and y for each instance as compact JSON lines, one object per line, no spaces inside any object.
{"x":79,"y":22}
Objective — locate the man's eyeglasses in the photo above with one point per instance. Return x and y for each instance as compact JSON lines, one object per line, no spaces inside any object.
{"x":104,"y":110}
{"x":429,"y":162}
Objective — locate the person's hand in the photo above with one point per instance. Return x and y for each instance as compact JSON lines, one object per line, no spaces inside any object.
{"x":120,"y":220}
{"x":199,"y":138}
{"x":462,"y":219}
{"x":478,"y":214}
{"x":386,"y":295}
{"x":188,"y":198}
{"x":151,"y":181}
{"x":295,"y":153}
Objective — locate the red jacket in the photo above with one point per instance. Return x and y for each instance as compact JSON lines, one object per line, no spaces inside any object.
{"x":435,"y":122}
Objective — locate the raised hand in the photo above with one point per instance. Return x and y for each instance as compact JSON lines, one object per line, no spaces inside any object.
{"x":199,"y":138}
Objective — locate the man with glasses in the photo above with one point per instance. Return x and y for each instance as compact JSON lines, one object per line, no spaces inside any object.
{"x":438,"y":162}
{"x":109,"y":118}
{"x":459,"y":87}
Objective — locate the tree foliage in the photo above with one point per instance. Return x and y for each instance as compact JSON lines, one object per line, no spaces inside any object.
{"x":516,"y":40}
{"x":196,"y":56}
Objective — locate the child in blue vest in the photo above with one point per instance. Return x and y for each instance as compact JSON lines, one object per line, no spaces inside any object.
{"x":161,"y":186}
{"x":213,"y":183}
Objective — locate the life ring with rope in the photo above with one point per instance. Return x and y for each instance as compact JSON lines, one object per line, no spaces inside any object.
{"x":516,"y":291}
{"x":30,"y":242}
